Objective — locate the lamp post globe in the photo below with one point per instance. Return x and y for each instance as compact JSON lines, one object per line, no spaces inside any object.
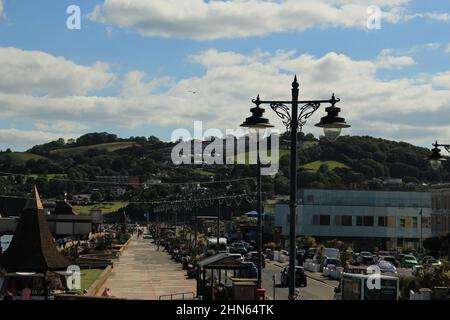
{"x":435,"y":164}
{"x":332,"y":124}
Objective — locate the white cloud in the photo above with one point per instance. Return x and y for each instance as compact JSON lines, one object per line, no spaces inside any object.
{"x":440,"y":17}
{"x":386,"y":60}
{"x":209,"y":20}
{"x":37,"y":72}
{"x":432,"y":45}
{"x":397,"y":109}
{"x":23,"y":139}
{"x":448,"y":48}
{"x":135,"y":85}
{"x":442,"y":79}
{"x":1,"y":7}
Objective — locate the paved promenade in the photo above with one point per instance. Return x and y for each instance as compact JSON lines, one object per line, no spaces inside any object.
{"x":142,"y":272}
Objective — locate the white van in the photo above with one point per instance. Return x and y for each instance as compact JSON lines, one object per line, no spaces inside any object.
{"x":220,"y":248}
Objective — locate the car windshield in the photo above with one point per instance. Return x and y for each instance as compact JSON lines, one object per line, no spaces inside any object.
{"x":433,"y":261}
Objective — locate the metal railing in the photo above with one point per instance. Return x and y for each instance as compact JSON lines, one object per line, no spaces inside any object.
{"x":182,"y":294}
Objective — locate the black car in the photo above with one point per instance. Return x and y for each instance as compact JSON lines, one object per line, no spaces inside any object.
{"x":300,"y":277}
{"x":253,"y":257}
{"x":238,"y":247}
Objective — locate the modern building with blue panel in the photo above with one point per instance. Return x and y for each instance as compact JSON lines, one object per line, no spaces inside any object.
{"x":368,"y":219}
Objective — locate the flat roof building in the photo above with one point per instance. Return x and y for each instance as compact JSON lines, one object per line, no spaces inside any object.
{"x":367,"y":219}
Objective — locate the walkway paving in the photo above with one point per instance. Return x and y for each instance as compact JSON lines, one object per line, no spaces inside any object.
{"x":142,"y":272}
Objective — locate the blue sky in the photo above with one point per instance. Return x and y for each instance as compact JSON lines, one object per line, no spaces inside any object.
{"x":129,"y":69}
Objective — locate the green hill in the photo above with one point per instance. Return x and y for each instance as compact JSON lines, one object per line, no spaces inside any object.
{"x":315,"y":165}
{"x":110,"y":147}
{"x":20,"y":157}
{"x":106,"y":207}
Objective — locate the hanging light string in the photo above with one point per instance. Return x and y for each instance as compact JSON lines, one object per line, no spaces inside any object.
{"x":176,"y":205}
{"x":130,"y":183}
{"x":163,"y":206}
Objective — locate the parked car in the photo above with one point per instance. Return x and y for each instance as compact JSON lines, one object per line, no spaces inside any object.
{"x":247,"y":246}
{"x":329,"y":261}
{"x":238,"y":247}
{"x":310,"y":253}
{"x":238,"y":256}
{"x":433,"y":263}
{"x":391,"y":259}
{"x":365,"y":257}
{"x":253,"y":257}
{"x":408,"y":261}
{"x":386,"y":267}
{"x":382,"y":254}
{"x":300,"y":277}
{"x":425,"y":259}
{"x":251,"y":272}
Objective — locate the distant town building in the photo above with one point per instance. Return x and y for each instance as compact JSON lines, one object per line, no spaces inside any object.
{"x":367,"y":219}
{"x":116,"y":184}
{"x":82,"y":197}
{"x":64,"y":221}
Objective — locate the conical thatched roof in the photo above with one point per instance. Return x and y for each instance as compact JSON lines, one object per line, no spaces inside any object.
{"x":32,"y":248}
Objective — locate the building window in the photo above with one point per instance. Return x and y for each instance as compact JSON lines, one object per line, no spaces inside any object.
{"x":310,"y":198}
{"x":391,"y":221}
{"x":337,"y":220}
{"x":426,"y":222}
{"x":347,"y":220}
{"x":324,"y":220}
{"x":364,"y":221}
{"x":382,"y":221}
{"x":402,"y":222}
{"x":368,"y":221}
{"x":359,"y":220}
{"x":315,"y":220}
{"x":414,"y":222}
{"x":343,"y":220}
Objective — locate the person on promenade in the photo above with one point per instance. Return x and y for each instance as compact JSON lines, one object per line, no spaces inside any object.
{"x":26,"y":294}
{"x":106,"y":293}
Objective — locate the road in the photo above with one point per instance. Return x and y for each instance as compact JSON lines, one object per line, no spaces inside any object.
{"x":315,"y":289}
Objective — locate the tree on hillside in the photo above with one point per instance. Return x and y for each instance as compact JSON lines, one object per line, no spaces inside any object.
{"x":96,"y":138}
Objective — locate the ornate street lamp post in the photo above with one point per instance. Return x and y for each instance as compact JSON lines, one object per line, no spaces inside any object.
{"x":295,"y":120}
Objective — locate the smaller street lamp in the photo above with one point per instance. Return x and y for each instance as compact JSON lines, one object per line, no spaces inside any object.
{"x":331,"y":123}
{"x":256,"y":121}
{"x":435,"y":157}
